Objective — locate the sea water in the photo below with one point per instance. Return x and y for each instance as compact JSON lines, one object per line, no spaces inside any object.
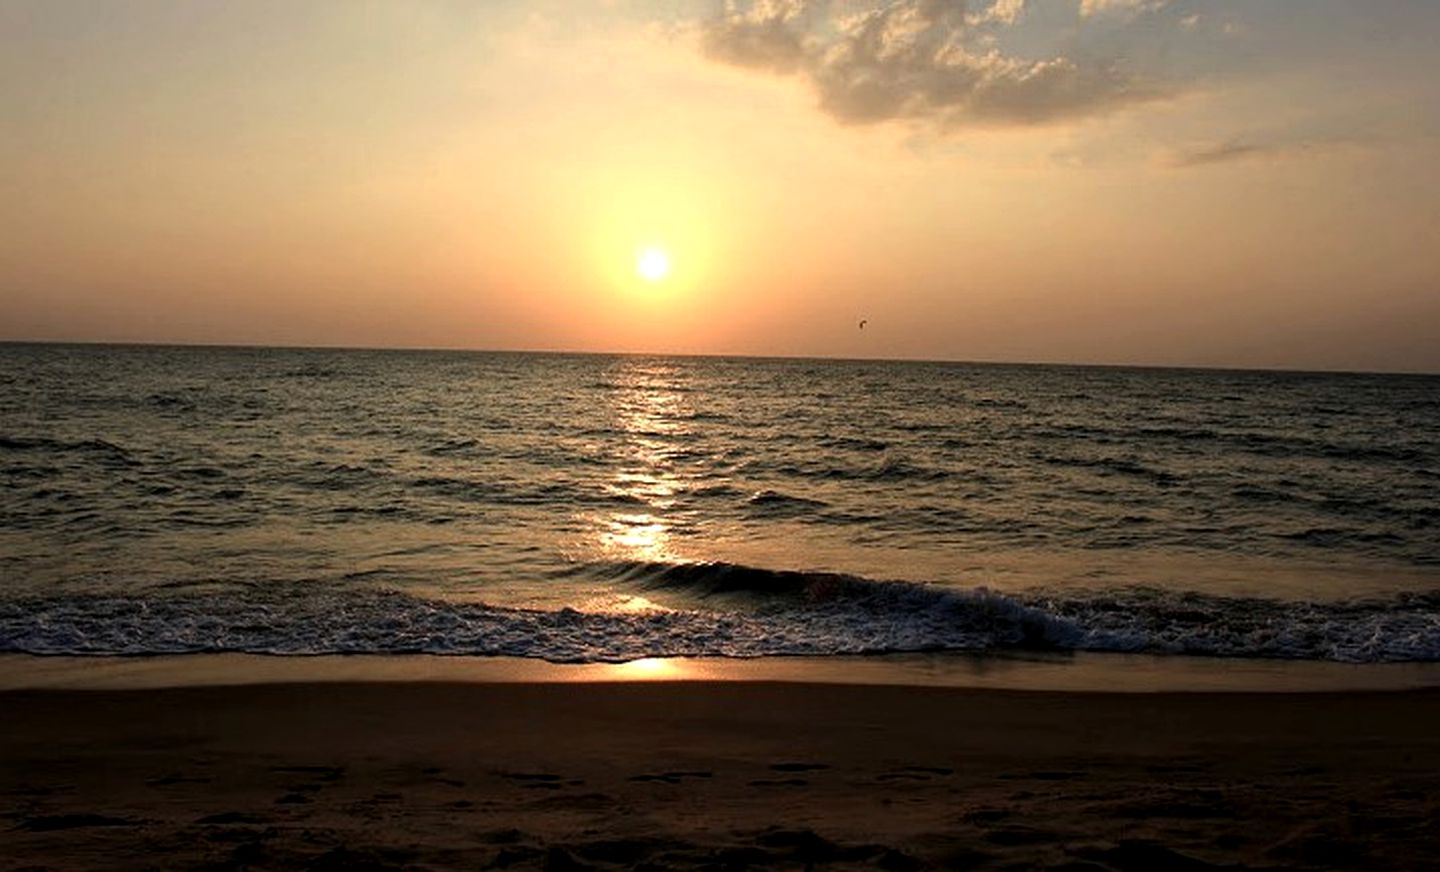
{"x":605,"y":508}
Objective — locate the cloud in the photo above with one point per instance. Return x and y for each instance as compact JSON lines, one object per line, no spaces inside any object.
{"x":1129,"y":7}
{"x":1218,"y":154}
{"x":933,"y":61}
{"x":1003,"y":11}
{"x":1240,"y":150}
{"x":765,"y":37}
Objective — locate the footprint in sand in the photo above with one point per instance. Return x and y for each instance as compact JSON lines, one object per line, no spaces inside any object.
{"x":541,"y":780}
{"x":927,"y":770}
{"x":529,"y":776}
{"x":671,"y":777}
{"x":175,"y":778}
{"x":575,"y":801}
{"x":986,"y":815}
{"x":435,"y":771}
{"x":324,"y":773}
{"x":915,"y":773}
{"x":40,"y":790}
{"x":1013,"y":836}
{"x":1043,"y":775}
{"x":51,"y":822}
{"x":799,"y":767}
{"x":299,"y":794}
{"x":232,"y":817}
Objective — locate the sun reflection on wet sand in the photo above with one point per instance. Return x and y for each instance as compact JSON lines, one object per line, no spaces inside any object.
{"x":1074,"y":672}
{"x":650,"y":669}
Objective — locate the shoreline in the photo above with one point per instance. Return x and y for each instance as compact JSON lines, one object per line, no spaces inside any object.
{"x":714,"y":774}
{"x":1081,"y":672}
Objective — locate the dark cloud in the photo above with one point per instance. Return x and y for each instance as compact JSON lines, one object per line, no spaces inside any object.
{"x":928,"y":60}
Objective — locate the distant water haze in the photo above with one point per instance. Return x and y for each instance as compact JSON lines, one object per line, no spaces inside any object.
{"x":580,"y":507}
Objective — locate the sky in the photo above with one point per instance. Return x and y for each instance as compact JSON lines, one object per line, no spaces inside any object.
{"x":1169,"y":182}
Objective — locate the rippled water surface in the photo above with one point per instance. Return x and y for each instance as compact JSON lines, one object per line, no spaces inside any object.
{"x":593,"y":507}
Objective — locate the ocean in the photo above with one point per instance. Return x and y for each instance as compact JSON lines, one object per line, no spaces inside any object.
{"x":594,"y":508}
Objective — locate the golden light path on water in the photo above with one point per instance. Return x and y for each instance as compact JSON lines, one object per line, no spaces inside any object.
{"x":646,"y":408}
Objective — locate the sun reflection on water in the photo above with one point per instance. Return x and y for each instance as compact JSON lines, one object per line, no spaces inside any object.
{"x":636,"y":537}
{"x":649,"y":411}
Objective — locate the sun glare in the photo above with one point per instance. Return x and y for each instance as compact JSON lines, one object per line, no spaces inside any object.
{"x":653,"y":264}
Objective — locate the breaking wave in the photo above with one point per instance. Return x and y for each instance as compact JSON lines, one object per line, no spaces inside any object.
{"x":724,"y":610}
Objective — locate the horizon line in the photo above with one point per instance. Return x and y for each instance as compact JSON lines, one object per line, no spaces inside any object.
{"x":440,"y":349}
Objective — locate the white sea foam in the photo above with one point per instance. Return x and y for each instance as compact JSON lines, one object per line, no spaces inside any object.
{"x":813,"y":615}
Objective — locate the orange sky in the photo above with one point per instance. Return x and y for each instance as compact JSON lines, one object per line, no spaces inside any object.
{"x":1116,"y":181}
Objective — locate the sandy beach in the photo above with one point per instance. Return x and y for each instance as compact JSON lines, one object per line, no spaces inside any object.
{"x":722,"y":775}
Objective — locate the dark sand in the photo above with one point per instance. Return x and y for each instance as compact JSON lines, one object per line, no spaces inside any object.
{"x":722,"y":775}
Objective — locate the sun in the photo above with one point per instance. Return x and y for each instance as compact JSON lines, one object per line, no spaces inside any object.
{"x":652,"y":264}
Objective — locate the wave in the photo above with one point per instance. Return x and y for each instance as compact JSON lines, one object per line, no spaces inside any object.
{"x":776,"y":613}
{"x":853,"y":443}
{"x":106,"y":452}
{"x":772,"y":503}
{"x":890,"y":468}
{"x":1255,"y":442}
{"x":1115,"y":466}
{"x":710,"y":579}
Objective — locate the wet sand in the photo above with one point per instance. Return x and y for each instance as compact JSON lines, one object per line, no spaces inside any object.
{"x":723,"y":775}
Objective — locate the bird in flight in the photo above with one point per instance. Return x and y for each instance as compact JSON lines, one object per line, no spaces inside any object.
{"x":863,"y":322}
